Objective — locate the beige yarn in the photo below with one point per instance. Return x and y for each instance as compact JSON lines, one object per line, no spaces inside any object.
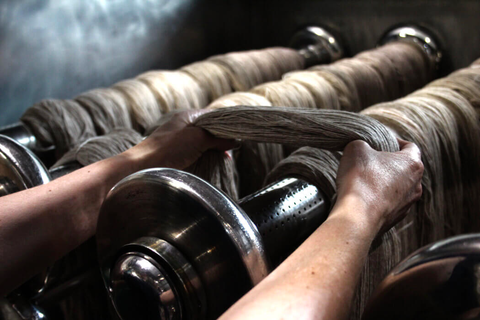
{"x":143,"y":104}
{"x":211,"y":77}
{"x":108,"y":109}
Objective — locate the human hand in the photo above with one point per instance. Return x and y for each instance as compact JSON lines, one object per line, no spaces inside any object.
{"x":383,"y":184}
{"x":176,"y":143}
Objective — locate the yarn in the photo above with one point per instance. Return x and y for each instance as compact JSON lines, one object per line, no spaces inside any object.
{"x":107,"y":108}
{"x":143,"y":104}
{"x":59,"y":123}
{"x":140,"y":102}
{"x":101,"y":147}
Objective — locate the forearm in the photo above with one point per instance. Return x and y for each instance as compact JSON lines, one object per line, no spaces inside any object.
{"x":52,"y":219}
{"x":318,"y":280}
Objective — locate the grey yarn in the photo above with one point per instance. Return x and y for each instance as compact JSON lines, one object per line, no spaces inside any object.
{"x":327,"y":129}
{"x":101,"y":147}
{"x":213,"y":166}
{"x":61,"y":123}
{"x":107,"y":108}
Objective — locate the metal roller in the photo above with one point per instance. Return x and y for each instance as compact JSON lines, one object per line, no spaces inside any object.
{"x":439,"y":281}
{"x":172,"y":246}
{"x":315,"y":44}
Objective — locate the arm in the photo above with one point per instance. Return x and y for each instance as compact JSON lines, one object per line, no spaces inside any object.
{"x":375,"y":190}
{"x":40,"y":225}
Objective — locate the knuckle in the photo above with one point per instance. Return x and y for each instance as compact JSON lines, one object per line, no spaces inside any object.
{"x":416,"y":165}
{"x":357,"y":146}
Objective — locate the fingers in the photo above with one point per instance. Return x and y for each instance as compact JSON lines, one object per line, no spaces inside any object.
{"x":410,"y":149}
{"x":207,"y":141}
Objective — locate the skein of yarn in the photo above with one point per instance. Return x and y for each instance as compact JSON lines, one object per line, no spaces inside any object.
{"x":59,"y":123}
{"x":101,"y":147}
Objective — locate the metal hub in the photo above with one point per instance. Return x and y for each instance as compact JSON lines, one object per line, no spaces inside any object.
{"x":141,"y":289}
{"x":415,"y":34}
{"x":317,"y":45}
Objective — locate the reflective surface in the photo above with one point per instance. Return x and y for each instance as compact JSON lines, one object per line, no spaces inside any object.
{"x":439,"y":281}
{"x":317,"y":45}
{"x":213,"y":234}
{"x":422,"y":37}
{"x":285,"y":213}
{"x":197,"y":268}
{"x":20,"y":166}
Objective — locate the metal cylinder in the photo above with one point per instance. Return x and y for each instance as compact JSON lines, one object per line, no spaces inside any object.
{"x":285,"y":213}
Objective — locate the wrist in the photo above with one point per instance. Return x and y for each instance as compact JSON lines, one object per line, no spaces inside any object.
{"x":354,"y":210}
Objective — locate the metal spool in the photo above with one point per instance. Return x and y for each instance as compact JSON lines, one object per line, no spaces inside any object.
{"x":415,"y":34}
{"x":171,"y":246}
{"x":19,"y":168}
{"x":439,"y":281}
{"x":317,"y":45}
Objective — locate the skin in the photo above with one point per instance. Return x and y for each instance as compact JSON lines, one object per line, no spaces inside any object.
{"x":40,"y":225}
{"x":375,"y":190}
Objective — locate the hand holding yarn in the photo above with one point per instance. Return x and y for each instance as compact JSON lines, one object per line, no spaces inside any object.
{"x":385,"y":183}
{"x":176,"y":143}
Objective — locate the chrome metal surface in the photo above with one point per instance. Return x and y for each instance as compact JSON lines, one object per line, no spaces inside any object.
{"x":7,"y":186}
{"x":20,"y":133}
{"x":154,"y":280}
{"x":214,"y":235}
{"x":317,"y":45}
{"x":439,"y":281}
{"x":20,"y":165}
{"x":415,"y":34}
{"x":16,"y":307}
{"x":286,"y":213}
{"x":141,"y":289}
{"x":179,"y":214}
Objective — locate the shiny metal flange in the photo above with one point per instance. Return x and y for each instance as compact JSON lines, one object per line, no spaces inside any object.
{"x":215,"y":239}
{"x":317,"y":45}
{"x":439,"y":281}
{"x":418,"y":35}
{"x":20,"y":133}
{"x":19,"y":168}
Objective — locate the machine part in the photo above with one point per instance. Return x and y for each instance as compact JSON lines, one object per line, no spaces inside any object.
{"x":317,"y":46}
{"x":19,"y":168}
{"x":167,"y":233}
{"x":439,"y":281}
{"x":415,"y":34}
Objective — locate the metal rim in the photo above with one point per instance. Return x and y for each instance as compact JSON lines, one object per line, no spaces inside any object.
{"x":20,"y":165}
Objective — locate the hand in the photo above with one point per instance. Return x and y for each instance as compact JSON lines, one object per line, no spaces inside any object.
{"x":385,"y":184}
{"x":176,"y":143}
